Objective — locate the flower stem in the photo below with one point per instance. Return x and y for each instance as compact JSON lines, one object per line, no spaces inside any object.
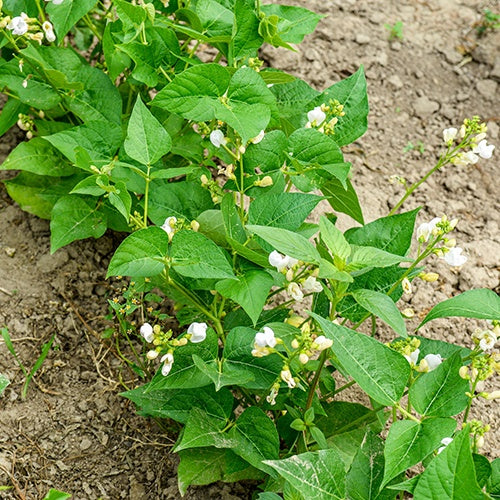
{"x":469,"y":404}
{"x":315,"y":380}
{"x":406,"y":413}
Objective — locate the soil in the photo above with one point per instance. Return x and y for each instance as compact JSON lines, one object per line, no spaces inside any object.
{"x":73,"y":431}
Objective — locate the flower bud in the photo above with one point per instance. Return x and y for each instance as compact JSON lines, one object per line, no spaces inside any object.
{"x":429,"y":277}
{"x":295,"y":344}
{"x":266,"y":181}
{"x":152,"y":354}
{"x":406,"y":286}
{"x":295,"y":321}
{"x":303,"y":358}
{"x":408,"y":312}
{"x":464,"y":372}
{"x":479,"y":441}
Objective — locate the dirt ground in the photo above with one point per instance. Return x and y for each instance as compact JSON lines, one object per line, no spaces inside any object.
{"x":73,"y":431}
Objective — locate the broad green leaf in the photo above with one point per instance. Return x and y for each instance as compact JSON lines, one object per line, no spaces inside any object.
{"x":212,"y":225}
{"x":311,"y":148}
{"x":493,"y":485}
{"x":451,"y":474}
{"x":116,"y":60}
{"x":294,"y":22}
{"x":37,"y":194}
{"x":183,"y":199}
{"x":441,"y":392}
{"x":285,"y":210}
{"x":382,"y":306}
{"x":121,"y":200}
{"x":409,"y":442}
{"x":56,"y":495}
{"x":38,"y":157}
{"x":130,"y":15}
{"x":4,"y":382}
{"x":329,"y":271}
{"x":483,"y":469}
{"x":364,"y":478}
{"x":147,"y":140}
{"x":482,"y":304}
{"x":195,"y":256}
{"x":99,"y":139}
{"x":334,"y":239}
{"x":10,"y":114}
{"x":317,"y":475}
{"x":201,"y":466}
{"x":288,"y":242}
{"x":75,"y":218}
{"x":245,"y":41}
{"x":177,"y":404}
{"x":37,"y":93}
{"x":434,"y":346}
{"x":15,"y":7}
{"x":208,"y":91}
{"x":347,"y":444}
{"x":393,"y":234}
{"x":256,"y":437}
{"x":342,"y":199}
{"x":222,"y":375}
{"x":249,"y":291}
{"x":202,"y":430}
{"x":65,"y":15}
{"x":350,"y":92}
{"x":140,"y":254}
{"x":267,"y":155}
{"x":217,"y":20}
{"x":184,"y":373}
{"x":381,"y":372}
{"x":365,"y":257}
{"x":238,"y":358}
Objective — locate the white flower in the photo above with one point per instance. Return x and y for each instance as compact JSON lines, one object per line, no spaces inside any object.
{"x":217,"y":138}
{"x":286,"y":376}
{"x":295,"y":291}
{"x":265,"y":338}
{"x":168,"y":361}
{"x":169,"y":224}
{"x":258,"y":137}
{"x":488,"y":340}
{"x":449,"y":135}
{"x":146,"y":332}
{"x":463,"y":159}
{"x":18,"y":25}
{"x":152,"y":354}
{"x":433,"y":361}
{"x":311,"y":284}
{"x":445,"y":442}
{"x":49,"y":31}
{"x":412,"y":358}
{"x":25,"y":83}
{"x":454,"y":257}
{"x":198,"y":332}
{"x":316,"y":116}
{"x":426,"y":229}
{"x":281,"y":261}
{"x":322,"y":343}
{"x":484,"y":150}
{"x":406,"y":286}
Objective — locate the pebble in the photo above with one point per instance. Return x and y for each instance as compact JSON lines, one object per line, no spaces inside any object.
{"x":424,"y":107}
{"x":452,"y":56}
{"x":487,"y":88}
{"x":396,"y":46}
{"x":85,"y":444}
{"x":362,"y":39}
{"x":395,"y":81}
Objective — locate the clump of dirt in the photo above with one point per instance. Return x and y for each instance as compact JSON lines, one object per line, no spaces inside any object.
{"x":73,"y":431}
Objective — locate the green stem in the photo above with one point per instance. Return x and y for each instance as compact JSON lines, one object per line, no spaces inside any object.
{"x":90,"y":25}
{"x":374,"y":325}
{"x":315,"y":380}
{"x":407,"y":414}
{"x":146,"y":197}
{"x":469,"y":404}
{"x":344,"y":387}
{"x":40,"y":11}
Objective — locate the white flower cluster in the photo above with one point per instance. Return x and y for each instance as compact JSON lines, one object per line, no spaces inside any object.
{"x":480,"y":146}
{"x":485,"y":339}
{"x":22,"y":24}
{"x":264,"y":342}
{"x":427,"y":364}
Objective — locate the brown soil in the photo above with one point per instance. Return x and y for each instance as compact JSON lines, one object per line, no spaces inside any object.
{"x":73,"y":431}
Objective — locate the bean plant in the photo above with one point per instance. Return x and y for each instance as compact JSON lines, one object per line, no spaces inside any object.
{"x":159,"y":120}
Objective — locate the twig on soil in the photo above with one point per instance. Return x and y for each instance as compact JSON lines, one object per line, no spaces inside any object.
{"x":15,"y":484}
{"x":3,"y":290}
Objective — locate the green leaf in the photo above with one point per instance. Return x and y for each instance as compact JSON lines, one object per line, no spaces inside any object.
{"x":350,"y":92}
{"x":99,"y":139}
{"x":184,"y":373}
{"x":249,"y":291}
{"x":364,"y":478}
{"x":483,"y":469}
{"x":393,"y":234}
{"x":334,"y":239}
{"x":56,"y":495}
{"x":383,"y":307}
{"x":65,"y":15}
{"x":201,"y":466}
{"x":121,"y":200}
{"x":451,"y":474}
{"x":147,"y":140}
{"x":367,"y":257}
{"x":329,"y":271}
{"x":208,"y":91}
{"x":75,"y":218}
{"x":4,"y":382}
{"x":140,"y":254}
{"x":10,"y":114}
{"x":38,"y":157}
{"x":246,"y":40}
{"x":285,"y":210}
{"x":130,"y":15}
{"x":183,"y":199}
{"x":482,"y":303}
{"x":318,"y":475}
{"x":222,"y":375}
{"x":267,"y":155}
{"x":381,"y":372}
{"x":257,"y":438}
{"x":294,"y":22}
{"x":343,"y":200}
{"x":217,"y":21}
{"x":177,"y":404}
{"x":409,"y":442}
{"x":37,"y":194}
{"x":288,"y":242}
{"x":195,"y":256}
{"x":441,"y":392}
{"x":493,"y":486}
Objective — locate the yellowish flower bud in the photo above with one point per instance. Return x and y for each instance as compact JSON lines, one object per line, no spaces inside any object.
{"x":408,"y":312}
{"x":295,"y":344}
{"x":429,"y":277}
{"x":464,"y":372}
{"x":303,"y":358}
{"x":295,"y":321}
{"x":156,"y":329}
{"x":204,"y":179}
{"x":195,"y":225}
{"x":266,"y":181}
